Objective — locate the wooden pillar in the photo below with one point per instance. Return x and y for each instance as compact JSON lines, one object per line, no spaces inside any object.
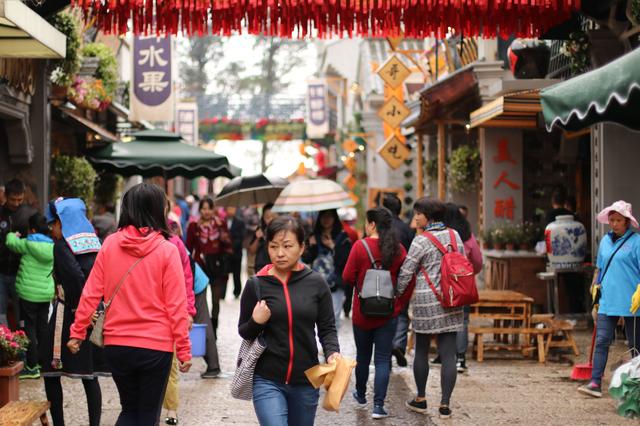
{"x":420,"y":177}
{"x":441,"y":162}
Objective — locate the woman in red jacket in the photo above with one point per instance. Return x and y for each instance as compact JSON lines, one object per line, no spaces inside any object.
{"x":209,"y":241}
{"x":148,"y":315}
{"x":389,"y":254}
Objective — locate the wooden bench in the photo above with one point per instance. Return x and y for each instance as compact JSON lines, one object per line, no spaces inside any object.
{"x":24,"y":413}
{"x":479,"y":345}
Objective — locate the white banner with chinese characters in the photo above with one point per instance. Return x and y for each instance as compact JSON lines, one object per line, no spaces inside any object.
{"x":187,"y":121}
{"x":151,"y":90}
{"x":502,"y":175}
{"x":317,"y":108}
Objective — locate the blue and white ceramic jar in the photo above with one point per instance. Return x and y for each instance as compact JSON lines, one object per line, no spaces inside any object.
{"x":566,"y":241}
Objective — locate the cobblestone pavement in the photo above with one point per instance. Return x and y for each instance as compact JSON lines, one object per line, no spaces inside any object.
{"x":496,"y":392}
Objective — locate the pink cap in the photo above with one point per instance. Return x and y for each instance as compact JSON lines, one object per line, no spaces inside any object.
{"x":621,"y":207}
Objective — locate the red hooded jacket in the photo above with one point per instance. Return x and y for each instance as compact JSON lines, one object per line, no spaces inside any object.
{"x":150,"y":309}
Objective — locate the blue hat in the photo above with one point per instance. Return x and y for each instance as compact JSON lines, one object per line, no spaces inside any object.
{"x":77,"y":231}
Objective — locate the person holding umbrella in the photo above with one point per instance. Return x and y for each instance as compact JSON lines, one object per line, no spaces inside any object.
{"x":327,"y":253}
{"x":258,"y":245}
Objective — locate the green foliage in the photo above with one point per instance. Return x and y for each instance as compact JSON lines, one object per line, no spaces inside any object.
{"x":107,"y":188}
{"x":408,"y":174}
{"x":73,"y":177}
{"x":578,"y":49}
{"x":464,"y":168}
{"x":63,"y":70}
{"x":432,"y":168}
{"x":107,"y":70}
{"x":408,"y":187}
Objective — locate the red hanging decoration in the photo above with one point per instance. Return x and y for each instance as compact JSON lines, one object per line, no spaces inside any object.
{"x":328,"y":18}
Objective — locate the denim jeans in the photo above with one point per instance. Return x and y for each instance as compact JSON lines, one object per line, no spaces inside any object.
{"x":400,"y":338}
{"x":605,"y":333}
{"x":338,"y":297}
{"x":8,"y":290}
{"x":462,"y":337}
{"x":382,"y":339}
{"x":277,"y":404}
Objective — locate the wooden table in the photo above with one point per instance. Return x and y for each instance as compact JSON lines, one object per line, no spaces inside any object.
{"x":511,"y":315}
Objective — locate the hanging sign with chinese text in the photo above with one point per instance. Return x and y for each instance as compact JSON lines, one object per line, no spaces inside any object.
{"x":151,"y":91}
{"x":187,"y":122}
{"x":394,"y":72}
{"x":502,"y":176}
{"x":393,"y":112}
{"x":317,"y":109}
{"x":394,"y":152}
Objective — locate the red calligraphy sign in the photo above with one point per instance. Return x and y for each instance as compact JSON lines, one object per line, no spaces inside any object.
{"x":503,"y":178}
{"x":505,"y":208}
{"x":504,"y":156}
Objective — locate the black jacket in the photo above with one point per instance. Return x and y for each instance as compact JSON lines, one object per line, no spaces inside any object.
{"x":404,"y":232}
{"x":12,"y":221}
{"x":307,"y":299}
{"x":238,"y":233}
{"x":340,"y":255}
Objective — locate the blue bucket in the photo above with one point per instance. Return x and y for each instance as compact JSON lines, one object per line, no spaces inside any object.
{"x":198,"y":337}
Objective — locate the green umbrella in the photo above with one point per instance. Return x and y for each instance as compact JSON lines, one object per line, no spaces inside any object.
{"x":160,"y":153}
{"x":610,"y":93}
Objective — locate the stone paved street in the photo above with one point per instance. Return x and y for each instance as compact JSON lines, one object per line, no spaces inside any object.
{"x":495,"y":392}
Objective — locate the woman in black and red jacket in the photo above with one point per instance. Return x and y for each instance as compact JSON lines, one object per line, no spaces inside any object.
{"x":286,"y":301}
{"x":368,"y":332}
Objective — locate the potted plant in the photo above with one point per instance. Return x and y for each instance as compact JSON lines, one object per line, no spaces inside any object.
{"x":498,"y":238}
{"x":486,"y":239}
{"x":13,"y":345}
{"x":107,"y":69}
{"x":73,"y":177}
{"x":464,"y":168}
{"x":510,"y":232}
{"x":577,"y":49}
{"x":64,"y":70}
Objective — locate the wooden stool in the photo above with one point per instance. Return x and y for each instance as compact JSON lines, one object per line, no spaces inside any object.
{"x":479,"y":344}
{"x":24,"y":413}
{"x":564,"y":329}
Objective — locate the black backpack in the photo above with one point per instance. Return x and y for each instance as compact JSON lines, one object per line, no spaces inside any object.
{"x":377,"y":295}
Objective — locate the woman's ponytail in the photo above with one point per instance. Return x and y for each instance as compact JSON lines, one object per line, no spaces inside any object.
{"x":387,"y":238}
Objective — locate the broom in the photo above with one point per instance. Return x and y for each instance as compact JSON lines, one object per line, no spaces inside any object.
{"x":583,"y":371}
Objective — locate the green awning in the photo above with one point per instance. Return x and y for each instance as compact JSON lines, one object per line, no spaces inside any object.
{"x":161,"y":153}
{"x":610,"y":93}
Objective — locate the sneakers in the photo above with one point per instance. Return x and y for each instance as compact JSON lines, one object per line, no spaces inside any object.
{"x":592,"y":389}
{"x":210,"y":374}
{"x":30,"y":373}
{"x":379,"y":412}
{"x":360,"y":400}
{"x":417,"y":406}
{"x":400,"y":358}
{"x":445,"y":412}
{"x":462,"y":365}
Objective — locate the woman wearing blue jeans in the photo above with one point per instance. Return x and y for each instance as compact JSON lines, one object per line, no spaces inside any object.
{"x":618,"y":274}
{"x":383,"y":246}
{"x":285,"y":302}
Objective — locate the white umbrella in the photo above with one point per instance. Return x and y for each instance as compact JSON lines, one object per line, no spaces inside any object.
{"x":312,"y":196}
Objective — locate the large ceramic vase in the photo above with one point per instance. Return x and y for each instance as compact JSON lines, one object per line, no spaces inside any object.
{"x":10,"y":383}
{"x":566,"y":243}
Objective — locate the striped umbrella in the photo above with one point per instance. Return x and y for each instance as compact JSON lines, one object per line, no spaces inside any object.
{"x":312,"y":195}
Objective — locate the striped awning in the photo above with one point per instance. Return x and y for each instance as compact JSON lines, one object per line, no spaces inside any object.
{"x":519,"y":110}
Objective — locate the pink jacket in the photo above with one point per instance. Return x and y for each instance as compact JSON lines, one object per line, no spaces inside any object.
{"x":472,"y":250}
{"x":150,"y":310}
{"x":188,"y":275}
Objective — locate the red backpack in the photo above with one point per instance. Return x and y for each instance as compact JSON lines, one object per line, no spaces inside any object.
{"x":457,"y":280}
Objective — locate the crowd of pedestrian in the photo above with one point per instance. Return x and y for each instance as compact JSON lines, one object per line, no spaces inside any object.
{"x":117,"y":295}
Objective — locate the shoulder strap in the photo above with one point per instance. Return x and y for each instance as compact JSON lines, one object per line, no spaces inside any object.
{"x":606,"y":268}
{"x":430,"y":283}
{"x":366,"y":247}
{"x":454,"y":243}
{"x":124,"y":277}
{"x":435,"y":241}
